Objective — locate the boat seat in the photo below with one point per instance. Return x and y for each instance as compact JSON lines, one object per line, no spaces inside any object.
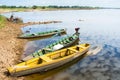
{"x":37,"y":53}
{"x":45,"y":58}
{"x":54,"y":43}
{"x":81,"y":46}
{"x":65,"y":42}
{"x":74,"y":37}
{"x":61,"y":42}
{"x":68,"y":40}
{"x":72,"y":50}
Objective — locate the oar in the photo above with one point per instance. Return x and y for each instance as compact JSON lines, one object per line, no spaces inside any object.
{"x":94,"y":50}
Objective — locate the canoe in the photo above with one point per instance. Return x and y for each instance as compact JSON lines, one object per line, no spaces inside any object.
{"x":62,"y":43}
{"x":49,"y":61}
{"x":42,"y":34}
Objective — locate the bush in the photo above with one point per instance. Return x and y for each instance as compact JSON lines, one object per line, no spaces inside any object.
{"x":2,"y":21}
{"x":34,"y":7}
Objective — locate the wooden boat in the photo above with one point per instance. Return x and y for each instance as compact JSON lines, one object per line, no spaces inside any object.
{"x":49,"y":61}
{"x":42,"y":34}
{"x":63,"y":43}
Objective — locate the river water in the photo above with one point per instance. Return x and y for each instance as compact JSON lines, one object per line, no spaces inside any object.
{"x":97,"y":27}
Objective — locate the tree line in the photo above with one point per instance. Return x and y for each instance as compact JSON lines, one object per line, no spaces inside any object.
{"x":50,"y":6}
{"x":4,"y":6}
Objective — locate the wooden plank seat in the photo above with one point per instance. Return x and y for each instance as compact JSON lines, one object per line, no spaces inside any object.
{"x":72,"y":50}
{"x":45,"y":58}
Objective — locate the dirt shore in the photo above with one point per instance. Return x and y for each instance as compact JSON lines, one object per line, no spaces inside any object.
{"x":11,"y":48}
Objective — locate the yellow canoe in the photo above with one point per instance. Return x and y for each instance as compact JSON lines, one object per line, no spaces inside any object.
{"x":49,"y":61}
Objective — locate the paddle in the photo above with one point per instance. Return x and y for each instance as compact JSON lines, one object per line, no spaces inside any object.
{"x":94,"y":50}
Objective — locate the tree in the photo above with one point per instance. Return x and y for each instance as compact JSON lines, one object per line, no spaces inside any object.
{"x":34,"y":7}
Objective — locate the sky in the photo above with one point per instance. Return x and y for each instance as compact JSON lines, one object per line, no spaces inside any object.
{"x":94,"y":3}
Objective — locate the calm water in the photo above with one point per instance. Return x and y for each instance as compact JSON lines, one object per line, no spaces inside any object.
{"x":97,"y":27}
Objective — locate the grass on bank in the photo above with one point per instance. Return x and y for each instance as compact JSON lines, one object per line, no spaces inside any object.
{"x":2,"y":21}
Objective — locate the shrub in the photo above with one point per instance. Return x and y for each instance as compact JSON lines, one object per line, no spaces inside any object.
{"x":2,"y":21}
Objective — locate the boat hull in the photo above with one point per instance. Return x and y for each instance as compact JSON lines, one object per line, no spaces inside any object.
{"x":42,"y":36}
{"x":49,"y":66}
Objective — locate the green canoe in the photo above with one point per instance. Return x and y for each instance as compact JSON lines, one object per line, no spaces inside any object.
{"x":42,"y":34}
{"x":62,"y":43}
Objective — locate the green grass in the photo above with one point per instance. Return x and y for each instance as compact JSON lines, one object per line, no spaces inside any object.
{"x":2,"y":21}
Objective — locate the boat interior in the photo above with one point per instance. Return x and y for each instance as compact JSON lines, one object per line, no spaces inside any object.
{"x":65,"y":40}
{"x":57,"y":55}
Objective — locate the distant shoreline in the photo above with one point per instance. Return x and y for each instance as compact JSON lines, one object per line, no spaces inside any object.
{"x":6,"y":10}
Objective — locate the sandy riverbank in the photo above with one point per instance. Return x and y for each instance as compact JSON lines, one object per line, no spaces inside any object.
{"x":11,"y":48}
